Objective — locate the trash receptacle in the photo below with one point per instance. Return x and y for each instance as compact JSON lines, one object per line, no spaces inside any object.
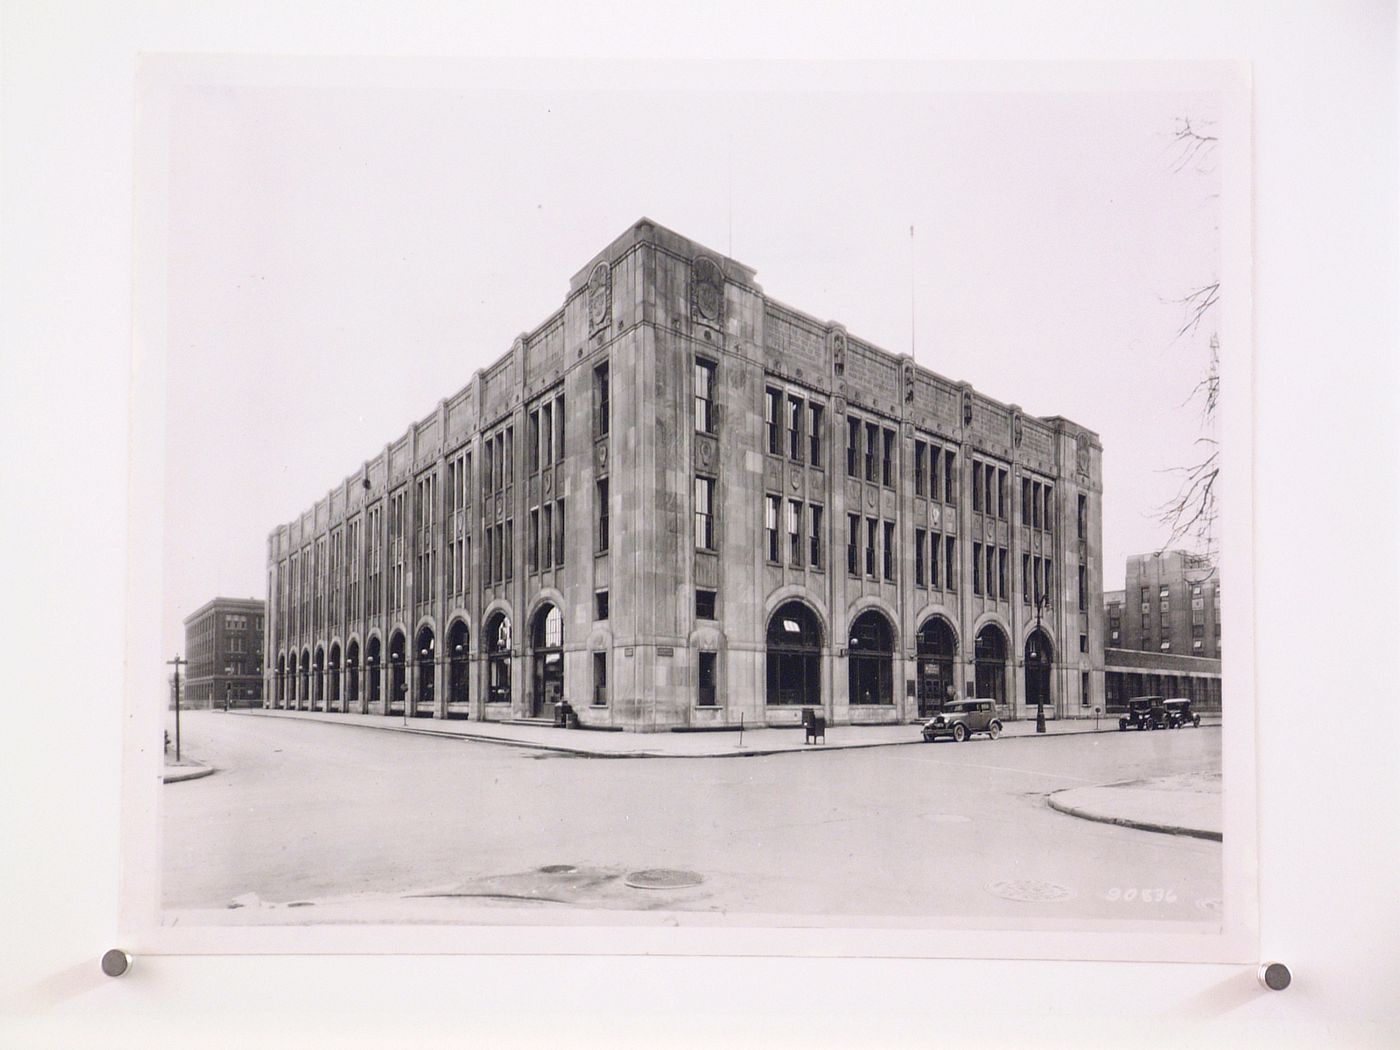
{"x":570,"y":719}
{"x":559,"y":714}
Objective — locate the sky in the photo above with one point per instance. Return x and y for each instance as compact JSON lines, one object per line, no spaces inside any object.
{"x":342,"y":255}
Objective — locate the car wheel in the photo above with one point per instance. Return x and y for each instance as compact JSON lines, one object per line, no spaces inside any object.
{"x":994,"y":730}
{"x":1196,"y":721}
{"x":1122,"y":724}
{"x":1150,"y":724}
{"x":959,"y":733}
{"x":928,"y":738}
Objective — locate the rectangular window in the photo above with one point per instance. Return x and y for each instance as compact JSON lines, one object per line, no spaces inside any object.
{"x":532,"y":543}
{"x":871,"y":531}
{"x":1035,"y":504}
{"x":920,"y":456}
{"x":704,"y":605}
{"x":1049,"y":508}
{"x":1039,"y":592}
{"x":508,"y":545}
{"x":603,"y":510}
{"x":1001,"y":494}
{"x":950,"y":563}
{"x":1083,"y":688}
{"x":935,"y":557}
{"x":532,"y":432}
{"x":976,"y":564}
{"x":559,"y":534}
{"x":794,"y":528}
{"x":600,"y":605}
{"x":815,"y":520}
{"x":976,"y":485}
{"x":989,"y":479}
{"x":1083,"y":588}
{"x":508,"y":474}
{"x":1001,"y":573}
{"x":920,"y":535}
{"x":600,"y":679}
{"x":775,"y":423}
{"x":704,"y":513}
{"x":1026,"y":579}
{"x":602,"y":409}
{"x":853,"y":545}
{"x":1025,"y":501}
{"x":887,"y":461}
{"x":814,"y":433}
{"x":770,"y":525}
{"x":935,"y":457}
{"x":795,"y":412}
{"x":706,"y":693}
{"x":872,"y":450}
{"x":950,"y":476}
{"x":1082,"y":518}
{"x":704,"y":396}
{"x":559,"y":419}
{"x":547,"y":536}
{"x":1083,"y":643}
{"x":889,"y":550}
{"x":1048,"y":580}
{"x":852,"y":446}
{"x":991,"y":571}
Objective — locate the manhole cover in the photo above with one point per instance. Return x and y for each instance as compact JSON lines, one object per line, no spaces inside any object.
{"x":1210,"y":904}
{"x":558,"y":869}
{"x":663,"y":879}
{"x":1029,"y":890}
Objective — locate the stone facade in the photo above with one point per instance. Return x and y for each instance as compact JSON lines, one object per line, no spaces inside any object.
{"x":224,"y":646}
{"x":645,"y":508}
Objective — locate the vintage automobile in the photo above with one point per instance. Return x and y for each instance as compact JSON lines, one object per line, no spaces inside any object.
{"x":1179,"y":713}
{"x":1144,"y":712}
{"x":961,"y":718}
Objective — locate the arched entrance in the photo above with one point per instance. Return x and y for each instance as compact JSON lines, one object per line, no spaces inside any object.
{"x":1040,"y":654}
{"x":304,"y":685}
{"x":547,"y":658}
{"x":374,"y":661}
{"x":280,"y":684}
{"x":352,"y":676}
{"x":871,"y":659}
{"x":333,"y":671}
{"x":989,"y":657}
{"x":498,"y":659}
{"x":426,"y":649}
{"x":318,"y":681}
{"x":936,"y":646}
{"x":794,"y":657}
{"x":458,"y":683}
{"x":398,"y":677}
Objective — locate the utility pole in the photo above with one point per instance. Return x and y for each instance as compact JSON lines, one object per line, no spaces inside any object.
{"x":178,"y":663}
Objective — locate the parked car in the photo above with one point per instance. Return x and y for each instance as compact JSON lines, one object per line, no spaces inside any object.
{"x":961,"y":718}
{"x":1179,"y":714}
{"x":1144,"y":712}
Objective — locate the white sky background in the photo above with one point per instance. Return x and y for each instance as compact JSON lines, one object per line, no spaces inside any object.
{"x":342,"y":258}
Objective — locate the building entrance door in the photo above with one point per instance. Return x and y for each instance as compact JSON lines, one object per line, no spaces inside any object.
{"x":547,"y":645}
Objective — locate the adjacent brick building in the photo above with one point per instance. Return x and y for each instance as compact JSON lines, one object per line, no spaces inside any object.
{"x":1162,"y":631}
{"x":678,"y":502}
{"x":224,"y":646}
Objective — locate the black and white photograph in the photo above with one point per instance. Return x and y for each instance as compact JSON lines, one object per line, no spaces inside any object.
{"x":810,"y":509}
{"x":747,"y":524}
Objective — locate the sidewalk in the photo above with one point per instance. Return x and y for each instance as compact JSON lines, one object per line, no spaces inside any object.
{"x":593,"y":744}
{"x":1186,"y":804}
{"x":174,"y":773}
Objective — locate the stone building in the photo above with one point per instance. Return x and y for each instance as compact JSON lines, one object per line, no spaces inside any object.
{"x":224,"y":646}
{"x":677,"y":503}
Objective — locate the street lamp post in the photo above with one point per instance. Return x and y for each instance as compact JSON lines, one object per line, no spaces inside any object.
{"x":228,"y":687}
{"x":178,"y":662}
{"x":1041,"y":601}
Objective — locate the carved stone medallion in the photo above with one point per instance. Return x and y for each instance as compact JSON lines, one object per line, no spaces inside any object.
{"x":599,"y":296}
{"x":1081,"y":453}
{"x":707,"y":291}
{"x":795,"y":479}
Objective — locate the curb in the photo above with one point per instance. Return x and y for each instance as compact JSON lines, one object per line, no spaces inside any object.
{"x":178,"y":774}
{"x":1125,"y":822}
{"x":586,"y":753}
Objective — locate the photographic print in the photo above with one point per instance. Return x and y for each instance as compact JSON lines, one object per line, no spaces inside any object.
{"x":641,"y":497}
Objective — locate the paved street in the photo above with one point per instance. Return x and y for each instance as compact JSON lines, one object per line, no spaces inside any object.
{"x":302,"y":811}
